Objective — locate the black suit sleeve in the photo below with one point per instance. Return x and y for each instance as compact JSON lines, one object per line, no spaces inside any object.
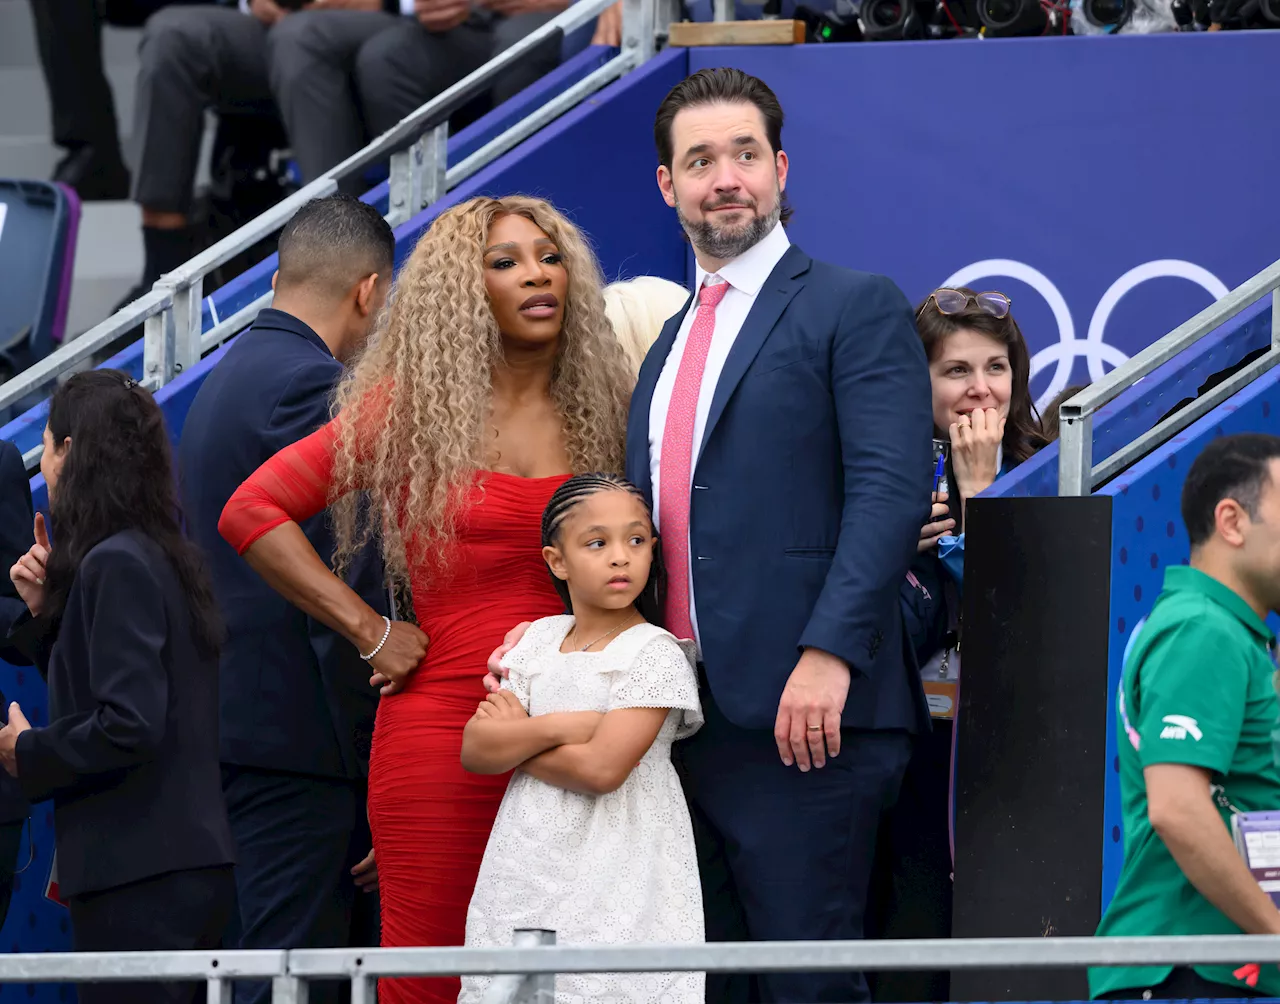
{"x":127,"y":627}
{"x":880,"y":383}
{"x":16,"y":538}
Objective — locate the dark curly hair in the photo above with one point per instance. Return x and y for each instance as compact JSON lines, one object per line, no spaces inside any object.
{"x":567,"y":497}
{"x":118,"y":475}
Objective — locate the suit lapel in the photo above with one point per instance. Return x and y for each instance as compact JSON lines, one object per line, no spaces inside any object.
{"x":783,"y":283}
{"x":642,"y":401}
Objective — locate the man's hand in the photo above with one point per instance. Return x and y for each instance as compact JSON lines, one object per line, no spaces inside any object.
{"x":267,"y":11}
{"x":27,"y":574}
{"x":366,"y":873}
{"x":807,"y":729}
{"x":18,"y":724}
{"x":497,"y":673}
{"x":405,"y":648}
{"x":609,"y":27}
{"x":441,"y":15}
{"x":501,"y":705}
{"x":938,"y":527}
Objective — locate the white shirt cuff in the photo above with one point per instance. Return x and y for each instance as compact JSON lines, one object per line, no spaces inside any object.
{"x":406,"y":8}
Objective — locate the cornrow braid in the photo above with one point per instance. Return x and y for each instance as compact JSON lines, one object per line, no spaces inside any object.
{"x":571,"y":494}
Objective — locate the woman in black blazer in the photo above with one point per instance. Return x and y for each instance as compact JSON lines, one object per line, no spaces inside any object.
{"x":123,"y":626}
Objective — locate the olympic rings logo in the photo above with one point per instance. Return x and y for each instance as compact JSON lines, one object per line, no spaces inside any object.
{"x":1096,"y":352}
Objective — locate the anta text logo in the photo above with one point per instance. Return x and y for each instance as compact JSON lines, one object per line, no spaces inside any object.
{"x":1179,"y":727}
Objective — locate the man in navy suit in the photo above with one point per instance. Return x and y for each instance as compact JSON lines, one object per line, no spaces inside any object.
{"x":297,"y":708}
{"x":781,"y":427}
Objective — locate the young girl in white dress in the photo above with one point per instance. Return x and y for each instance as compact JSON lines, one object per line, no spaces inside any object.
{"x":593,"y":838}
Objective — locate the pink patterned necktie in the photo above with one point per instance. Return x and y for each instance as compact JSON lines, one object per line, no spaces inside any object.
{"x":675,"y":466}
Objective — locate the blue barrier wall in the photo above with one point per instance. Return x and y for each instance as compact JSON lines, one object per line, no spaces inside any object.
{"x":1079,"y":158}
{"x":1146,"y":535}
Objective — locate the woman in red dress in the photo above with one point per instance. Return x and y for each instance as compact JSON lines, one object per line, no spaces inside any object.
{"x":494,"y":377}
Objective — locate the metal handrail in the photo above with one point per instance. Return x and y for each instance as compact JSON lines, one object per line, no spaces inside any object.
{"x":1077,"y":474}
{"x":171,"y":310}
{"x":292,"y":971}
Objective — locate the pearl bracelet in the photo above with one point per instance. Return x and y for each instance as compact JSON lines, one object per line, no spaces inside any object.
{"x":378,"y":648}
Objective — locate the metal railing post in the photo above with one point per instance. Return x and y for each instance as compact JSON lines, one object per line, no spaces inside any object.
{"x":218,"y":991}
{"x":364,"y":989}
{"x":535,"y":988}
{"x":722,"y":10}
{"x":158,"y":349}
{"x":1075,"y":452}
{"x":418,"y":174}
{"x":1275,"y":318}
{"x":186,"y":325}
{"x":640,"y":28}
{"x":288,"y":990}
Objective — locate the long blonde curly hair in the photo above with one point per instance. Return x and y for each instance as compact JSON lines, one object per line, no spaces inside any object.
{"x":414,"y":410}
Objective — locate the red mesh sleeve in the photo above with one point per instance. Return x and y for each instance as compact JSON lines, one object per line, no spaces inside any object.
{"x":291,"y":486}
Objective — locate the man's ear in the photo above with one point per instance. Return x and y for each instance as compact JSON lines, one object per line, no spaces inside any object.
{"x":1231,"y":521}
{"x":274,"y":276}
{"x":365,"y":291}
{"x":667,"y":185}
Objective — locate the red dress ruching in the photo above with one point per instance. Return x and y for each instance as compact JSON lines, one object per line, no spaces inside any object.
{"x":430,"y":818}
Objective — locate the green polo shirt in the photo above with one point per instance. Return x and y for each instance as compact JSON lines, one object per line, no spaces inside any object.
{"x":1197,"y":688}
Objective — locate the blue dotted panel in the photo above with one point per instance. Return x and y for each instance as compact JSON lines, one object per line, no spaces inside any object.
{"x":1141,"y":406}
{"x":1147,"y":535}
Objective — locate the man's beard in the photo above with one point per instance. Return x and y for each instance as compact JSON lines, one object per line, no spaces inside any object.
{"x":725,"y":244}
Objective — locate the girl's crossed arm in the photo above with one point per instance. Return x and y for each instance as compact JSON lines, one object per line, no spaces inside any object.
{"x":501,"y":735}
{"x":602,"y":762}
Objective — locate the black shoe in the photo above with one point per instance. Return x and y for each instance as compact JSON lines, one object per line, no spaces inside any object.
{"x":97,"y":176}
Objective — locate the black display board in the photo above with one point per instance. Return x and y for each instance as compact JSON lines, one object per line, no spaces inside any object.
{"x":1032,"y":731}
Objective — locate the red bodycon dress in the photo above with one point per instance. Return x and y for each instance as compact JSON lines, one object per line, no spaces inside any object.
{"x":430,"y":818}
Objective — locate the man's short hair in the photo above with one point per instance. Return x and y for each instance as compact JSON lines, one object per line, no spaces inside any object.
{"x":722,"y":85}
{"x":1231,"y":467}
{"x":333,"y":243}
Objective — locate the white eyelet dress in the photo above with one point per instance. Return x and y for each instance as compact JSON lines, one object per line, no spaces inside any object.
{"x":610,"y":869}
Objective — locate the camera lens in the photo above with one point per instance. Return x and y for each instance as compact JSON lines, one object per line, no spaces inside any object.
{"x":1105,"y":13}
{"x":1013,"y":17}
{"x":882,"y":14}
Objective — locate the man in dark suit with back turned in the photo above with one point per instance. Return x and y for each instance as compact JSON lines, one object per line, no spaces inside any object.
{"x":297,"y":708}
{"x":781,"y":426}
{"x":16,"y":538}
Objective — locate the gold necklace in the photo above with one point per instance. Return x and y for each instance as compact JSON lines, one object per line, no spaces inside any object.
{"x":602,"y":637}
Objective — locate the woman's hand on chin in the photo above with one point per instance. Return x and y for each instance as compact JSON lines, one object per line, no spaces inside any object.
{"x":975,"y":451}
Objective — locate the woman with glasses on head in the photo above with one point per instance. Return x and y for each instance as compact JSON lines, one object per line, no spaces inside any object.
{"x":983,"y":415}
{"x":980,"y":372}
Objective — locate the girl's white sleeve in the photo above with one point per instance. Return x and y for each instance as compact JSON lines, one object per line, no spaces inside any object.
{"x":660,"y":676}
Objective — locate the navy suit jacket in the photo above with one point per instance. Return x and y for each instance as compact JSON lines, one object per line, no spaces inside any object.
{"x":809,"y":492}
{"x":130,"y":754}
{"x":16,"y":538}
{"x":295,"y":696}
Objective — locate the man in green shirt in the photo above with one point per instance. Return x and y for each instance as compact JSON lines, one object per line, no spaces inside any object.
{"x":1196,"y":708}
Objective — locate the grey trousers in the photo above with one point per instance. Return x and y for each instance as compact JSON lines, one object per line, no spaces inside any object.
{"x":336,"y":78}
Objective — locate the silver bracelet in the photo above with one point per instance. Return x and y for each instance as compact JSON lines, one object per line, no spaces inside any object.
{"x":378,"y":647}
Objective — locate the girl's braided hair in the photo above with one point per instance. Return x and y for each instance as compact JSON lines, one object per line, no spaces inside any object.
{"x":566,"y":498}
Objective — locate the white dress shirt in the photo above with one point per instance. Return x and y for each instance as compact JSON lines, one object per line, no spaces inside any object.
{"x":745,"y":275}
